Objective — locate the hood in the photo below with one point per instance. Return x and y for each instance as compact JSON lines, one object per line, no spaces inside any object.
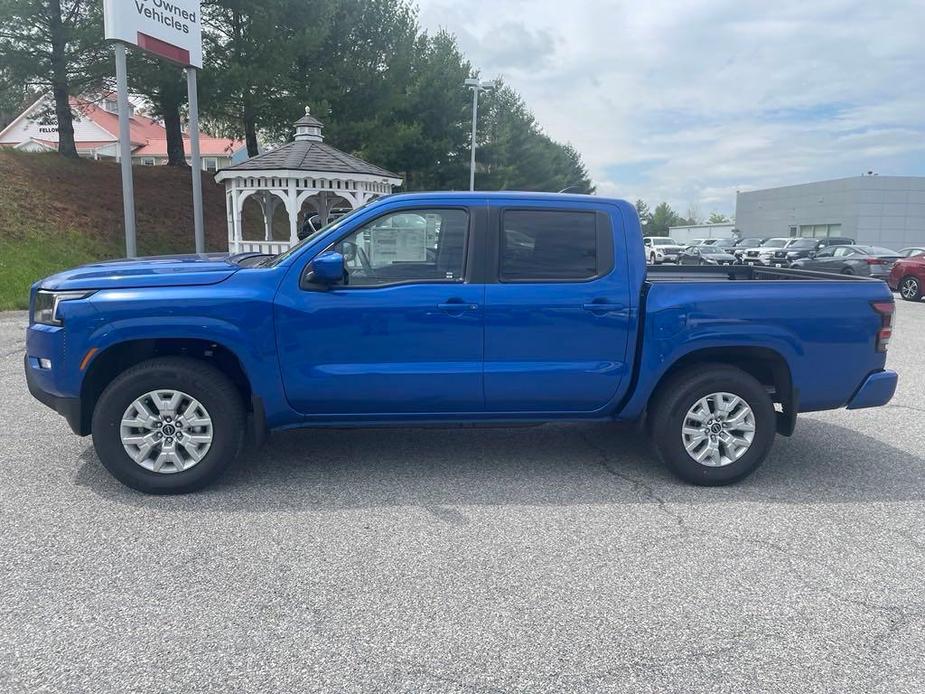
{"x":157,"y":271}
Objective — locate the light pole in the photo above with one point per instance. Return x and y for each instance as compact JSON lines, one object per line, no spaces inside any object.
{"x":476,"y":86}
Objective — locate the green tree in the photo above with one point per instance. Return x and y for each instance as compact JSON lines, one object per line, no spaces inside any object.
{"x":57,"y":46}
{"x":642,"y":209}
{"x":717,"y":218}
{"x":163,"y":84}
{"x":662,"y":218}
{"x":514,"y":153}
{"x":251,"y":51}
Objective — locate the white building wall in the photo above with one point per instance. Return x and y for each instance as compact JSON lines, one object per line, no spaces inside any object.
{"x":879,"y":210}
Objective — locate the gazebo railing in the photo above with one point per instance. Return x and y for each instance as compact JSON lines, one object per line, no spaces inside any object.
{"x":268,"y":247}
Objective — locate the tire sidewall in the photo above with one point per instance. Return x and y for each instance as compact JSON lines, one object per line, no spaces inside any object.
{"x":203,"y":383}
{"x":674,"y":408}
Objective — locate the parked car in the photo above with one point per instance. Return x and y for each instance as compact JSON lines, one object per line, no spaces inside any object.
{"x":705,"y":255}
{"x":661,"y":249}
{"x":911,"y":251}
{"x":747,"y":244}
{"x":168,"y":361}
{"x":870,"y":261}
{"x":765,"y":252}
{"x":908,"y":277}
{"x":800,"y":248}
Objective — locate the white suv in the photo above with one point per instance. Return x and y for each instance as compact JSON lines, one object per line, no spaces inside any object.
{"x":661,"y":249}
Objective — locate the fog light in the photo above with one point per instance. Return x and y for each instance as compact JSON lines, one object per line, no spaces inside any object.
{"x":45,"y":364}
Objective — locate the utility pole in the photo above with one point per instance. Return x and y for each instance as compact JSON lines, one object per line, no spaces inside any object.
{"x":476,"y":86}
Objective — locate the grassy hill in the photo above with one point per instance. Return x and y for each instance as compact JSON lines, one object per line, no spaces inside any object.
{"x":56,"y":213}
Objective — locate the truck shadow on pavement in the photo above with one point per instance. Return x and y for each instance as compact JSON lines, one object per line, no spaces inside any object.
{"x":439,"y":469}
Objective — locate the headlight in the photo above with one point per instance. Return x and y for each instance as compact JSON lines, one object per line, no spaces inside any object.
{"x":45,"y":306}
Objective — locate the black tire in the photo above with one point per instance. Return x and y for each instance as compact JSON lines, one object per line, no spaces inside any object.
{"x":208,"y":385}
{"x":651,"y":259}
{"x":847,"y":271}
{"x":916,"y":288}
{"x":669,"y":408}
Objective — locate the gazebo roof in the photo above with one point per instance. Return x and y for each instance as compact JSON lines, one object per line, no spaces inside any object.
{"x":310,"y":153}
{"x":307,"y":155}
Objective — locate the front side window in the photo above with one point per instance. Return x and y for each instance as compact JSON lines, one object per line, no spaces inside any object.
{"x":539,"y":245}
{"x":407,"y":246}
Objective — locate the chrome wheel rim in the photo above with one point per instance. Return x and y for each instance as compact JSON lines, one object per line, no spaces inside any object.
{"x":166,"y":431}
{"x":909,"y":288}
{"x":718,"y":429}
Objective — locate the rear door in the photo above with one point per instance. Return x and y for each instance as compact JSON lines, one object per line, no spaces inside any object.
{"x":557,"y":316}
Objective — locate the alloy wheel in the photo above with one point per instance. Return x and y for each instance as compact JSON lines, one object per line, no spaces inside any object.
{"x":718,"y":429}
{"x":166,"y":431}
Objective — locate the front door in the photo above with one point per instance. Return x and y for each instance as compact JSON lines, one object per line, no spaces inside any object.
{"x":557,"y":316}
{"x":403,"y":335}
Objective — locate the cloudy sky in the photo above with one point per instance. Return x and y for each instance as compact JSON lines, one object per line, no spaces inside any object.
{"x":689,"y":101}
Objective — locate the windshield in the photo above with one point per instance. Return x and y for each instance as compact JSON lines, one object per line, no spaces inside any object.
{"x":776,"y":243}
{"x":804,"y":243}
{"x":712,"y":250}
{"x":876,"y":250}
{"x":664,"y":242}
{"x":276,"y":260}
{"x":749,"y":242}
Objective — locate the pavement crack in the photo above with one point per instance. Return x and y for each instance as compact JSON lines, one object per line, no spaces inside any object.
{"x":645,"y":489}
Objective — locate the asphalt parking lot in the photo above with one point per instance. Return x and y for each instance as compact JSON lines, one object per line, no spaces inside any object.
{"x":556,"y":558}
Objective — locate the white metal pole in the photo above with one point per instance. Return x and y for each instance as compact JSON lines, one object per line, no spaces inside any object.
{"x":193,"y":97}
{"x":475,"y":117}
{"x":125,"y":151}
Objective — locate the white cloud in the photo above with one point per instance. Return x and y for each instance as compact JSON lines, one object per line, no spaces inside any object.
{"x":689,"y":102}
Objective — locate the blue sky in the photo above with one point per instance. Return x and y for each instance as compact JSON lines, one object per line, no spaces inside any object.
{"x":691,"y":101}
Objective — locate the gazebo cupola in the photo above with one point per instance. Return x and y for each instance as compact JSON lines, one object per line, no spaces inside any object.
{"x":308,"y":127}
{"x":305,"y":172}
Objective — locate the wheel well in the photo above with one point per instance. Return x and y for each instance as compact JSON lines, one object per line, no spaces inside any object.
{"x":765,"y":365}
{"x":116,"y":359}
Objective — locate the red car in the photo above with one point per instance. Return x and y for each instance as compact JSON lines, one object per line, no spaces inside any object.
{"x":908,"y":277}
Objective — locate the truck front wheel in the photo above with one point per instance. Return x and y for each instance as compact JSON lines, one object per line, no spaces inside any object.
{"x":169,"y":425}
{"x":712,"y":424}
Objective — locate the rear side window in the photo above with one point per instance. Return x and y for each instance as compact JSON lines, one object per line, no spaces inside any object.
{"x":549,"y":245}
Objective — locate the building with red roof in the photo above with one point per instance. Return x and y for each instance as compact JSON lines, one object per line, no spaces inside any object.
{"x":96,"y":134}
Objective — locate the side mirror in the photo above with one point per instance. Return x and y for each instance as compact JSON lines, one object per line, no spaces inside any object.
{"x":326,"y":269}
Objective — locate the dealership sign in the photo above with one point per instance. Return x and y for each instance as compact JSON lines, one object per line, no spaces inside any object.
{"x":170,"y":29}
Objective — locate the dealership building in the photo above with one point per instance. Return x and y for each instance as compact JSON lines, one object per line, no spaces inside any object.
{"x":875,"y":210}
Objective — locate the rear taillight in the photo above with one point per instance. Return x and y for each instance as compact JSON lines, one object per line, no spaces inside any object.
{"x":874,"y":261}
{"x":886,"y":310}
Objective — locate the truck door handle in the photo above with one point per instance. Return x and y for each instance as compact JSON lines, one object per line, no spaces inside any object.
{"x":457,"y":306}
{"x":602,"y":307}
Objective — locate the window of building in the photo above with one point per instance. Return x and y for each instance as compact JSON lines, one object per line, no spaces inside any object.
{"x":548,"y":245}
{"x":148,"y":161}
{"x":408,"y":246}
{"x":819,"y":231}
{"x":210,"y":164}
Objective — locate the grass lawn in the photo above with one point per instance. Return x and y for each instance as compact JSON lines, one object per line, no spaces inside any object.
{"x":57,"y":213}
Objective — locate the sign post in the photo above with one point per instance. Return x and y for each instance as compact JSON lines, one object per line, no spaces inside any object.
{"x":193,"y":98}
{"x":168,"y":29}
{"x":125,"y":152}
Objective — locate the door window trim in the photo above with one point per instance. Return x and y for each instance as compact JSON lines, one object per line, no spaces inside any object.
{"x":463,"y":278}
{"x":604,"y":246}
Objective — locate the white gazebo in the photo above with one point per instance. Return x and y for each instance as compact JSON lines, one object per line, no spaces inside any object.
{"x":305,"y":171}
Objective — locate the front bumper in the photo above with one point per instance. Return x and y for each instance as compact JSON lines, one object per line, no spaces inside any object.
{"x":877,"y":390}
{"x":69,"y":408}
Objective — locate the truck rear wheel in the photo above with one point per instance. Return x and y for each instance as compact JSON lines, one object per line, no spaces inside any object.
{"x":712,"y":424}
{"x":169,"y":425}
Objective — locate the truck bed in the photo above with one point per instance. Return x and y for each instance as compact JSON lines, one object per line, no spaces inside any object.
{"x":707,"y":273}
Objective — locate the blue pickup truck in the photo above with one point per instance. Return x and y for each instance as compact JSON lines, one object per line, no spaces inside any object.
{"x":449,"y":308}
